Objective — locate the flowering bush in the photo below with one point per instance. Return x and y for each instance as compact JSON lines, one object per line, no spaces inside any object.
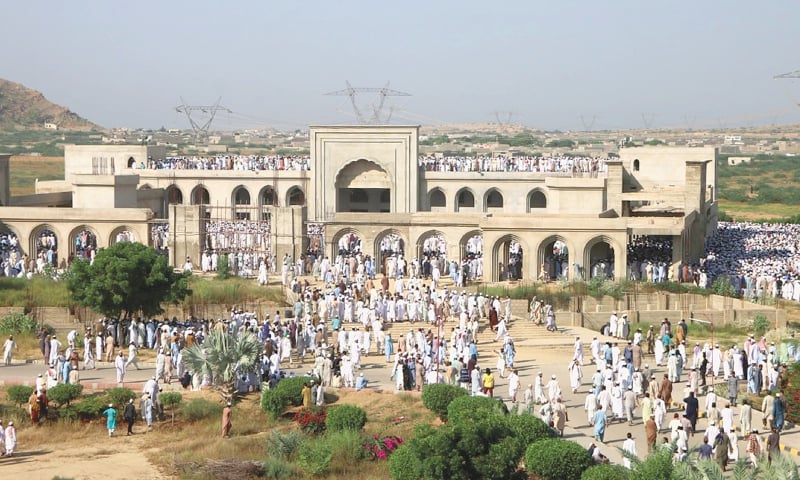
{"x":311,"y":420}
{"x":380,"y":447}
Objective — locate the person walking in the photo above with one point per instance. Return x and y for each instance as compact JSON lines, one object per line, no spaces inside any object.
{"x":10,"y":438}
{"x":651,"y":432}
{"x":132,"y":351}
{"x":600,"y":419}
{"x":227,"y":415}
{"x":129,"y":415}
{"x":629,"y":447}
{"x":119,"y":364}
{"x":111,"y":419}
{"x":8,"y":349}
{"x":488,"y":383}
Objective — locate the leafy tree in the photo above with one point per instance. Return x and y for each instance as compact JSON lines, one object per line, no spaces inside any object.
{"x":19,"y":394}
{"x":223,"y":358}
{"x":346,"y":417}
{"x":126,"y":278}
{"x":437,"y":397}
{"x":120,"y":395}
{"x":64,"y":393}
{"x":557,"y":459}
{"x":171,"y":400}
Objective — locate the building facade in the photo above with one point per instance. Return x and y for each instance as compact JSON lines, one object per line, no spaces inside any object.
{"x":364,"y":189}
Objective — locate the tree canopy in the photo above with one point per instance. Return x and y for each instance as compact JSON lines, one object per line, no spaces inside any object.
{"x":222,"y":357}
{"x":126,"y":278}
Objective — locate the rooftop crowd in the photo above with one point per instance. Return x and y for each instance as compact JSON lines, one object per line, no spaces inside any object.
{"x":588,"y":166}
{"x":230,"y":162}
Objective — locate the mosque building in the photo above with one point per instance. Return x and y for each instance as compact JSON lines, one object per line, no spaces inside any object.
{"x":365,"y":189}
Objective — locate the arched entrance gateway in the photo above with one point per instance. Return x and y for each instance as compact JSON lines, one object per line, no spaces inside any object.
{"x":431,"y":250}
{"x":83,"y":243}
{"x":363,"y":186}
{"x":599,"y":256}
{"x":44,"y":244}
{"x":553,"y":259}
{"x":508,"y":258}
{"x":390,"y":253}
{"x":472,"y":254}
{"x":11,"y":255}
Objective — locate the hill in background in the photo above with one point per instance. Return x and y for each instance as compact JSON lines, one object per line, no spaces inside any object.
{"x":25,"y":108}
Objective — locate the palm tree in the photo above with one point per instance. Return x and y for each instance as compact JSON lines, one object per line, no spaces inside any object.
{"x":223,"y":357}
{"x":781,"y":468}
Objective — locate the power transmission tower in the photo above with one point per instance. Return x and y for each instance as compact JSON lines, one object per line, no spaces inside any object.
{"x":588,"y":124}
{"x":503,"y":118}
{"x":790,"y":75}
{"x":647,"y":119}
{"x":376,"y":116}
{"x":201,"y":130}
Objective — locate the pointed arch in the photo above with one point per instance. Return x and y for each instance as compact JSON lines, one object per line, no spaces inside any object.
{"x":174,"y":195}
{"x":268,"y":197}
{"x":241,"y":196}
{"x":493,"y":199}
{"x":437,"y":199}
{"x":45,"y":240}
{"x":537,"y":200}
{"x":347,"y":241}
{"x":200,"y":195}
{"x":82,"y":241}
{"x":508,"y":258}
{"x":123,"y":233}
{"x":552,"y":256}
{"x":295,"y":197}
{"x":465,"y":199}
{"x":599,"y":256}
{"x":388,"y":243}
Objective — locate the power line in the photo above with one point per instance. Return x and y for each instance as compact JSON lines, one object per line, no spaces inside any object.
{"x":201,"y":130}
{"x":376,"y":113}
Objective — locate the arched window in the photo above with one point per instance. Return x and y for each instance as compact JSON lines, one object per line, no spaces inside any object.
{"x":200,"y":196}
{"x":174,"y":195}
{"x":636,"y":165}
{"x":131,"y":162}
{"x":438,"y":199}
{"x":465,"y":199}
{"x":494,"y":199}
{"x":242,"y":197}
{"x":296,"y":197}
{"x":537,"y":200}
{"x":268,"y":197}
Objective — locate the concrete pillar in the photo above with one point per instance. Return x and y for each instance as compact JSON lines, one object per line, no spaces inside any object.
{"x":5,"y":180}
{"x":614,"y":186}
{"x":186,"y":234}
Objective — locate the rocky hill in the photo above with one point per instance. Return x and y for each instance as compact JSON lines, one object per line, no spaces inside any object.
{"x":25,"y":108}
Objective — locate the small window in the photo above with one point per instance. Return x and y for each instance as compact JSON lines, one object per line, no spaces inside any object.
{"x":358,"y":195}
{"x":494,"y":199}
{"x":537,"y":200}
{"x":466,"y":199}
{"x":242,"y":197}
{"x":438,"y":199}
{"x":386,"y":196}
{"x":636,"y":165}
{"x":296,"y":197}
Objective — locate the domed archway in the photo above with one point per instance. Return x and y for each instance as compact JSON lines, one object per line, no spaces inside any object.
{"x":553,"y":259}
{"x":363,"y":186}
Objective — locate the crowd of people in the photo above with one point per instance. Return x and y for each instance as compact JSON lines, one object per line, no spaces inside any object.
{"x":649,"y":257}
{"x":584,"y":166}
{"x":230,"y":162}
{"x":759,"y":259}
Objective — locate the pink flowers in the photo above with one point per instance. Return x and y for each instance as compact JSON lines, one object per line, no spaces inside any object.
{"x":380,"y":448}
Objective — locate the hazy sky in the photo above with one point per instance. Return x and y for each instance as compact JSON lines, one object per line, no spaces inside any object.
{"x":680,"y":63}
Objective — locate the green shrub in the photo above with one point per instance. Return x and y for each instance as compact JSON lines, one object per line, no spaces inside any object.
{"x":170,"y":400}
{"x":471,"y":409}
{"x":760,"y":324}
{"x":68,"y":414}
{"x":199,"y":409}
{"x":315,"y":457}
{"x":605,"y":472}
{"x":657,"y":465}
{"x":19,"y":394}
{"x":292,"y":388}
{"x":90,"y":408}
{"x":347,"y":446}
{"x":278,"y":468}
{"x":482,"y":450}
{"x":274,"y":401}
{"x":283,"y":445}
{"x":556,"y":459}
{"x":437,"y":397}
{"x":18,"y":323}
{"x":529,"y":429}
{"x":120,"y":395}
{"x":404,"y":464}
{"x":345,"y":417}
{"x":64,"y":393}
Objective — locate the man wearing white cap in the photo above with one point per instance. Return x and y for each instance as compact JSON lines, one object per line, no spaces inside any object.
{"x":553,"y":389}
{"x":10,"y":439}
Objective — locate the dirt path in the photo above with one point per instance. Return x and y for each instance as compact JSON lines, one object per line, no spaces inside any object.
{"x":105,"y":459}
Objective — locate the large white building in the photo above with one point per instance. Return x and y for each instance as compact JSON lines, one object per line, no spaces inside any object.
{"x":364,"y":187}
